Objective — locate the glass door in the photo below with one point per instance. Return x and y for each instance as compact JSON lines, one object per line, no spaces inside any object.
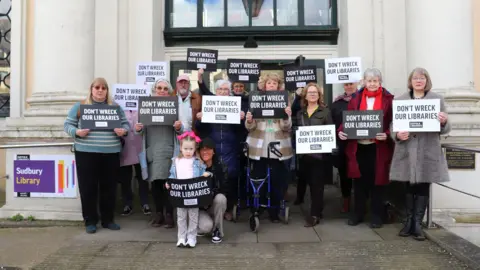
{"x":178,"y":68}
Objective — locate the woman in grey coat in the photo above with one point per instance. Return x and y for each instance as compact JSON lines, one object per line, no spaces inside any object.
{"x":161,"y":145}
{"x":418,"y":159}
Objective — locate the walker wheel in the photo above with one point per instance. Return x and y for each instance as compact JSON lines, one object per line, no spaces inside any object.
{"x":234,"y":213}
{"x":286,"y":215}
{"x":254,"y":223}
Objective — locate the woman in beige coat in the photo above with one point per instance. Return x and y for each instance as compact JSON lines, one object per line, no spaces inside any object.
{"x":418,"y":159}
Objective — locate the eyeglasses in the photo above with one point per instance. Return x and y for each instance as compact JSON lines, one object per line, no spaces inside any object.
{"x":97,"y":87}
{"x":223,"y":89}
{"x":419,"y":79}
{"x":162,"y":88}
{"x":312,"y":93}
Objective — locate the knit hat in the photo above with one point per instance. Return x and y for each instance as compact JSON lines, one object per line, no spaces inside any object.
{"x":207,"y":143}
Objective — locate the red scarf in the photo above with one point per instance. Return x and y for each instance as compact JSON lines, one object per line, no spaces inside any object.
{"x":369,"y":94}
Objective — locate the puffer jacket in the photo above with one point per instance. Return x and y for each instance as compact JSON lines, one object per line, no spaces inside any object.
{"x":227,"y":140}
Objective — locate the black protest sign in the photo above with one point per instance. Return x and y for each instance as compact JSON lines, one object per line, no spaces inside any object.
{"x":100,"y":117}
{"x":296,"y":77}
{"x":158,"y":111}
{"x":362,"y":124}
{"x":202,"y":58}
{"x":243,"y":70}
{"x":268,"y":104}
{"x":190,"y":193}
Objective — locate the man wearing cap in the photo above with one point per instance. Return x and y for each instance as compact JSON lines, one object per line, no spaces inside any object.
{"x":189,"y":103}
{"x":211,"y":220}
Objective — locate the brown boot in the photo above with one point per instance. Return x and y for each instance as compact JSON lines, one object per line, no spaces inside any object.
{"x":346,"y":205}
{"x":169,"y":221}
{"x":158,"y":220}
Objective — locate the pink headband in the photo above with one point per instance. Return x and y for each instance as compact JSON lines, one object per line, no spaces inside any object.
{"x":190,"y":134}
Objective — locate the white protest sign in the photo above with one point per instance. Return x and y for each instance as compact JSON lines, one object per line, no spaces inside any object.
{"x":315,"y":139}
{"x":126,"y":95}
{"x":418,"y":115}
{"x":149,"y":72}
{"x":221,"y":109}
{"x":343,"y":70}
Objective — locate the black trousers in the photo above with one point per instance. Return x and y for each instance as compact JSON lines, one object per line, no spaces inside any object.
{"x":160,"y":197}
{"x":278,"y":179}
{"x":97,"y":182}
{"x":126,"y":174}
{"x":420,"y":189}
{"x":365,"y":187}
{"x":345,"y":182}
{"x":233,"y":192}
{"x":314,"y":173}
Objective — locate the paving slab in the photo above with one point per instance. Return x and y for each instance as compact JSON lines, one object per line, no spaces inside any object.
{"x":339,"y":230}
{"x":293,"y":232}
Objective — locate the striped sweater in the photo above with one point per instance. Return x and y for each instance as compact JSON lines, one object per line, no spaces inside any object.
{"x":95,"y":141}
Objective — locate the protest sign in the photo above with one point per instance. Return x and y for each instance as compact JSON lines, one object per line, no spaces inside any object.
{"x":149,"y":72}
{"x":362,"y":124}
{"x":268,"y":104}
{"x":419,"y":115}
{"x":190,"y":193}
{"x":243,"y":70}
{"x":315,"y":139}
{"x":296,"y":77}
{"x":221,"y":109}
{"x":126,"y":95}
{"x":343,"y":70}
{"x":157,"y":110}
{"x":100,"y":117}
{"x":202,"y":58}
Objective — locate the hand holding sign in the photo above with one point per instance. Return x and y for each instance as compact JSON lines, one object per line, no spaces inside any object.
{"x":138,"y":126}
{"x":82,"y":132}
{"x":120,"y":132}
{"x":249,"y":117}
{"x":342,"y":135}
{"x":403,"y":135}
{"x":381,"y":136}
{"x":288,"y":111}
{"x":442,"y":117}
{"x":200,"y":75}
{"x":242,"y":115}
{"x":199,"y":116}
{"x":177,"y":125}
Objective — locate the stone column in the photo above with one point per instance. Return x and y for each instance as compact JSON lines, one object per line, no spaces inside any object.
{"x":445,"y":49}
{"x":63,"y":64}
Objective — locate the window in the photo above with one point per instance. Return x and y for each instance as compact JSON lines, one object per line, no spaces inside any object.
{"x":5,"y":27}
{"x":188,"y":20}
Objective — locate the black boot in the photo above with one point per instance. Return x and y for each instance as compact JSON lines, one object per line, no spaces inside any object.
{"x":421,"y":203}
{"x":409,"y":208}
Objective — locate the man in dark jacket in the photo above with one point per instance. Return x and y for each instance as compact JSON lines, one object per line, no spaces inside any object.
{"x":210,"y":220}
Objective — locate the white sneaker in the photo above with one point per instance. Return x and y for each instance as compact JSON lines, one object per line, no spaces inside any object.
{"x":191,"y":242}
{"x":181,"y":243}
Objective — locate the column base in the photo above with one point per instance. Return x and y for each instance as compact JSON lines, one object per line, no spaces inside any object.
{"x":41,"y":210}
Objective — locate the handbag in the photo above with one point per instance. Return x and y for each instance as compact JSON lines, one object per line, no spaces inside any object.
{"x":142,"y":158}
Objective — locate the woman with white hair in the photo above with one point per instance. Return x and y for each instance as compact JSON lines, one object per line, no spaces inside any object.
{"x":161,"y":145}
{"x":227,"y":139}
{"x":368,"y":161}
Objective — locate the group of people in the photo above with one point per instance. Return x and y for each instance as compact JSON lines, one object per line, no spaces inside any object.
{"x":191,"y":148}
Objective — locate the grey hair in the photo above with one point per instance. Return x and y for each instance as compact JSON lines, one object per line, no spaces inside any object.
{"x":169,"y":85}
{"x":222,"y":82}
{"x":373,"y":72}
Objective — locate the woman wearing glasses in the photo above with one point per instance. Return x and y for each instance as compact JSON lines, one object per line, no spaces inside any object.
{"x":418,"y":159}
{"x":98,"y":160}
{"x":161,"y":145}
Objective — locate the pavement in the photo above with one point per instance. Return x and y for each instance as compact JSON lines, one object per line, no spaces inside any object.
{"x":330,"y":245}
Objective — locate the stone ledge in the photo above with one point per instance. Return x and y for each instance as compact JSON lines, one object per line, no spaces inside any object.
{"x":40,"y":223}
{"x":459,"y":247}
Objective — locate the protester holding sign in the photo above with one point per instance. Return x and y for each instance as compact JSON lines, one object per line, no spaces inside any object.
{"x":187,"y":165}
{"x":261,"y":133}
{"x":340,"y":161}
{"x":368,"y":161}
{"x":418,"y":159}
{"x":129,"y":161}
{"x":161,"y":145}
{"x":189,"y":103}
{"x":211,"y":220}
{"x":97,"y":158}
{"x":313,"y":166}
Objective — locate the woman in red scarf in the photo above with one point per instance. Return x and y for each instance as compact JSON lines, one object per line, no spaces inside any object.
{"x":368,"y":161}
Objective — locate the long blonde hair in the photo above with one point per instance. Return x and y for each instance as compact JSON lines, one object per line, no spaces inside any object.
{"x":271,"y":76}
{"x":103,"y":82}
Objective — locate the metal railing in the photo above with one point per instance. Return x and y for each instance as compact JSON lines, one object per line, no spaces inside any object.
{"x":8,"y":146}
{"x":430,"y":223}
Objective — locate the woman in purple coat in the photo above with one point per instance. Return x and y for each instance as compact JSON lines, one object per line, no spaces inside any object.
{"x":129,"y":161}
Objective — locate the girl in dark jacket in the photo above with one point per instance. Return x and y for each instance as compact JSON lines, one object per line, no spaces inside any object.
{"x":312,"y":166}
{"x":338,"y":106}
